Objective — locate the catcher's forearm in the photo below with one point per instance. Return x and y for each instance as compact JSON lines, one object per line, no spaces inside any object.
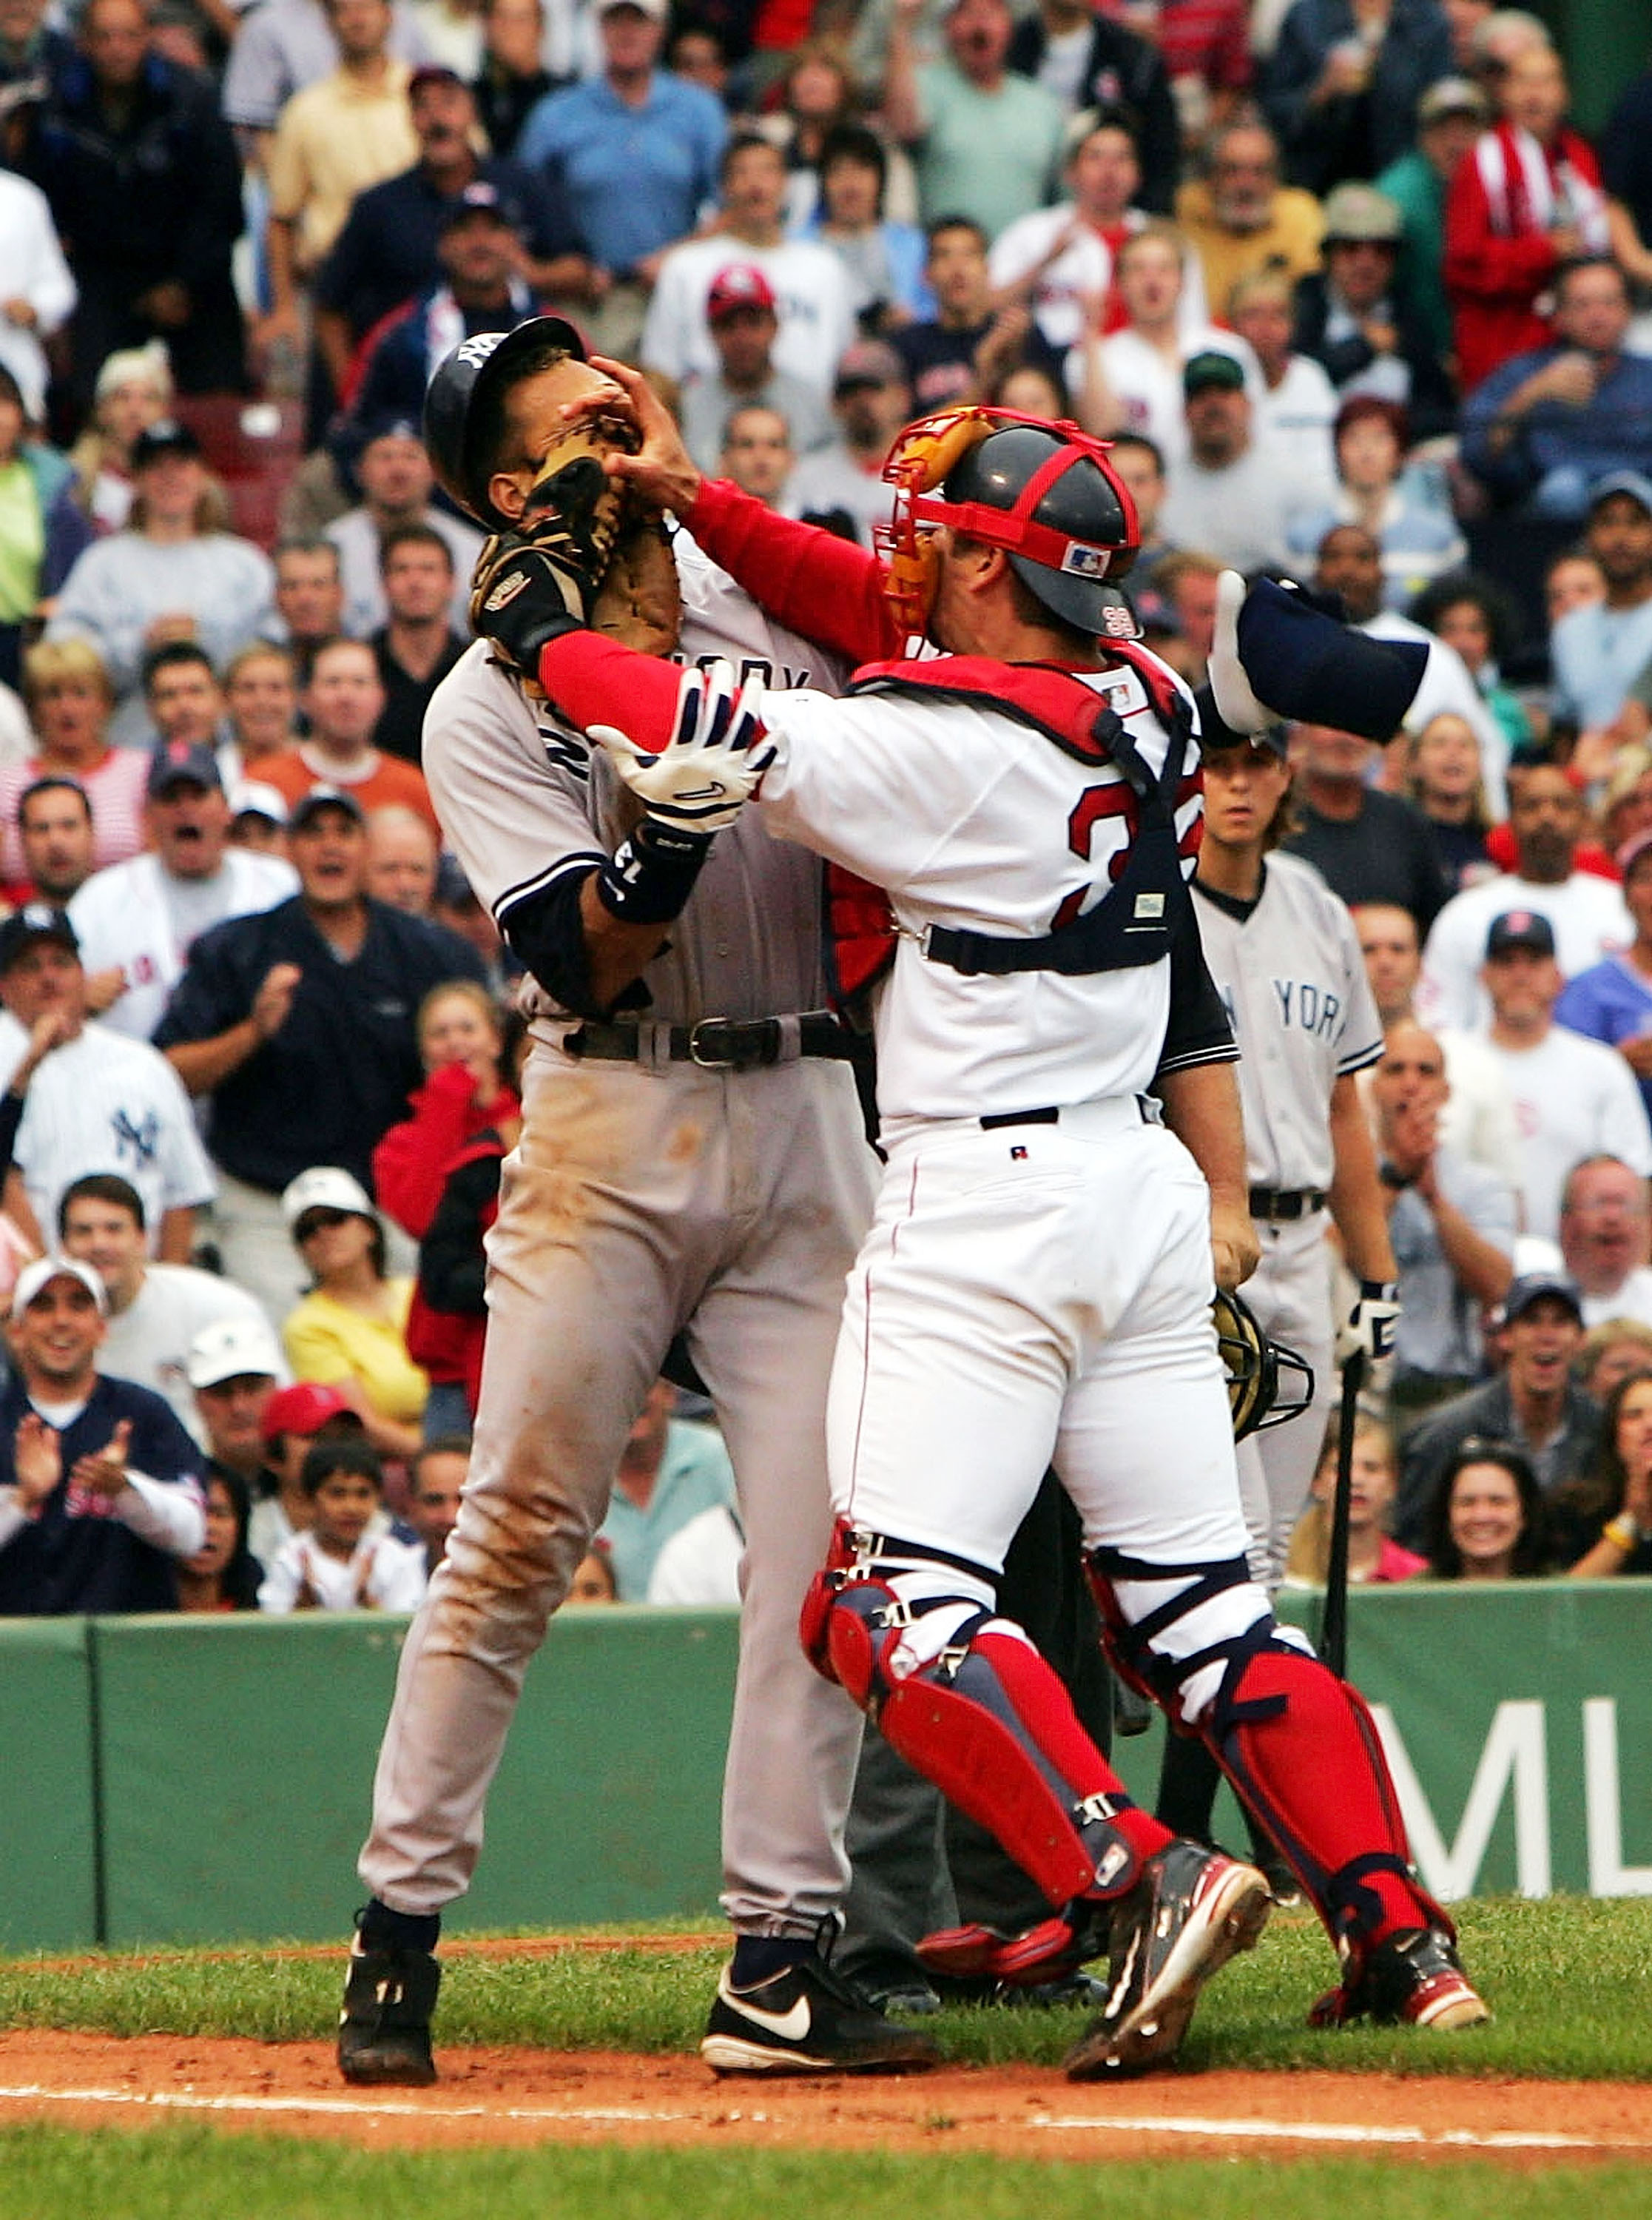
{"x":822,"y":587}
{"x":594,"y":680}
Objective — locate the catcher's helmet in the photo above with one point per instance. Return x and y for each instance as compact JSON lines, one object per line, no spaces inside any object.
{"x":451,"y":410}
{"x":1254,"y":1364}
{"x":1050,"y":500}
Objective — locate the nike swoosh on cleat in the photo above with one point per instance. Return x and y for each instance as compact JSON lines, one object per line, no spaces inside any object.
{"x":791,"y":2026}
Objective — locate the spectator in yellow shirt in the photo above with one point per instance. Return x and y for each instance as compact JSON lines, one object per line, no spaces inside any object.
{"x":349,"y":1330}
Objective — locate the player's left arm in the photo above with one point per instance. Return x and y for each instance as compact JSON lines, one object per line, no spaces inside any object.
{"x":1201,"y":1108}
{"x":1357,"y":1203}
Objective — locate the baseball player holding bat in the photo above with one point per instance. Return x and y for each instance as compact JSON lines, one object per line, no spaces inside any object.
{"x":692,"y":1160}
{"x":1035,"y":1287}
{"x":1284,"y":953}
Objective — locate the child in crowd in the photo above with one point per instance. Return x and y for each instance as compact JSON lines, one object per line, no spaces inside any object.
{"x":339,"y":1564}
{"x":1373,"y":1555}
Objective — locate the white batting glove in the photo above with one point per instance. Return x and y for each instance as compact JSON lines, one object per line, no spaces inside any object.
{"x":1370,"y":1327}
{"x":1241,"y":711}
{"x":703,"y":777}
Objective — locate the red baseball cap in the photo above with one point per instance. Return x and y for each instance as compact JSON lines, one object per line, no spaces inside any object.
{"x":303,"y":1408}
{"x":742,"y":285}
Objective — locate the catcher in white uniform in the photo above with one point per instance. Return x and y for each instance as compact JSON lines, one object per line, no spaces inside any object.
{"x":692,"y":1160}
{"x":1036,"y":1284}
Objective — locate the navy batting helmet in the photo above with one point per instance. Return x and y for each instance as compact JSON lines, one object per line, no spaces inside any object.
{"x":461,"y":381}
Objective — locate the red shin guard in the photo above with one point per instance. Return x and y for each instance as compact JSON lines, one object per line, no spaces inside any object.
{"x":998,"y":1736}
{"x":1301,"y":1749}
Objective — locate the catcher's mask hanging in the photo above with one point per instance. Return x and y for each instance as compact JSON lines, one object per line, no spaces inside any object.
{"x":1255,"y":1393}
{"x":1044,"y":493}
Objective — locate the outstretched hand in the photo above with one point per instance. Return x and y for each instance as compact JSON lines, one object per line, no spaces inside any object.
{"x":708,"y":771}
{"x":661,"y":473}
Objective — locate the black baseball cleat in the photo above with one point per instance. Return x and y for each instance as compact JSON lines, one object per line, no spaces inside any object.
{"x":384,"y":2027}
{"x":1412,"y":1980}
{"x":806,"y":2019}
{"x":1192,"y":1910}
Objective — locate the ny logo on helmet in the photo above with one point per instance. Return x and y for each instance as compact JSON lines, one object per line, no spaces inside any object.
{"x":475,"y":352}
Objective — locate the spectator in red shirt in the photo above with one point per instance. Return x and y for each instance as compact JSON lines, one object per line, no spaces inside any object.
{"x":1528,"y":199}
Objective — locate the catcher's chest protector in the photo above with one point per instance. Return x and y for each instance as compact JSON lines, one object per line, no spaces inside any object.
{"x":860,"y":923}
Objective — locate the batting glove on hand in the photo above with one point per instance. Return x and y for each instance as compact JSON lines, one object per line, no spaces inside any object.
{"x":1370,"y":1330}
{"x":527,"y":600}
{"x":700,"y":782}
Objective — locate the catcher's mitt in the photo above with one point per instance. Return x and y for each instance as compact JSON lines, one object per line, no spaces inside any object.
{"x":1254,"y":1364}
{"x":610,"y":556}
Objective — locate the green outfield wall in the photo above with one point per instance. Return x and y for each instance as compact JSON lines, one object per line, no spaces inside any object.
{"x":187,"y":1781}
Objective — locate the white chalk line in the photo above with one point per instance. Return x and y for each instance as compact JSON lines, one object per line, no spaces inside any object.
{"x":1316,"y":2131}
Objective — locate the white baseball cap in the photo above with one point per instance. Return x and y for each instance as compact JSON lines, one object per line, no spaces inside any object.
{"x":232,"y":1348}
{"x":257,"y":797}
{"x":45,"y":1269}
{"x":325,"y":1186}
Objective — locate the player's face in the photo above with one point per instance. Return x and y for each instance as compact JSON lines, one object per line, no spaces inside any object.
{"x":223,"y":1531}
{"x":345,"y":1503}
{"x":434,"y":1511}
{"x":1388,"y":944}
{"x":109,"y":1239}
{"x":232,"y":1412}
{"x":1486,"y":1519}
{"x":1243,"y":788}
{"x":55,"y":833}
{"x":58,"y":1336}
{"x":533,"y":409}
{"x":44,"y":978}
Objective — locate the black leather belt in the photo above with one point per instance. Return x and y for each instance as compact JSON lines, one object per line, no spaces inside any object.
{"x":1276,"y":1204}
{"x":715,"y":1043}
{"x":1049,"y":1115}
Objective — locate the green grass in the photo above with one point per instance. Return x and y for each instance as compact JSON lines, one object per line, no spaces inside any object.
{"x":167,"y":2174}
{"x":1566,"y":1978}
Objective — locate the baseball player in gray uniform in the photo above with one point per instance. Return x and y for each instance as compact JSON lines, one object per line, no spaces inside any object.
{"x":1035,"y":1285}
{"x":1286,"y":960}
{"x":692,"y":1160}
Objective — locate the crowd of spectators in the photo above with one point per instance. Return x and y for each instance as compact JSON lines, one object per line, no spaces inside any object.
{"x":1357,"y":304}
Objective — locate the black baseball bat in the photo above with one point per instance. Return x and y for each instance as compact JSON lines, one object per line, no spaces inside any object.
{"x":1333,"y":1630}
